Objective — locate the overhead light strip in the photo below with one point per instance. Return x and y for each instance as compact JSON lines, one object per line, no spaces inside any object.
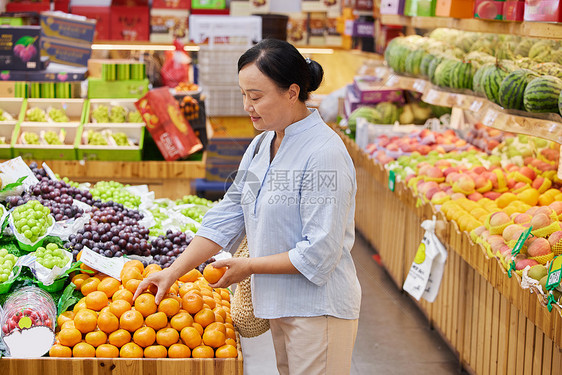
{"x":167,"y":47}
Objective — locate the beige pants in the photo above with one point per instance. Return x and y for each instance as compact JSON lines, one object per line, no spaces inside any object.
{"x":313,"y":346}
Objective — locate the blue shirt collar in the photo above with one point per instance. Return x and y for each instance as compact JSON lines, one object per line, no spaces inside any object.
{"x":306,"y":123}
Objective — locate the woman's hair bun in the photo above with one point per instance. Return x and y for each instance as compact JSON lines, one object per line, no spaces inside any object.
{"x":316,"y":75}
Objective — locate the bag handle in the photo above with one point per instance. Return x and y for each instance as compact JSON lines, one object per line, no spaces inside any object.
{"x":257,"y":149}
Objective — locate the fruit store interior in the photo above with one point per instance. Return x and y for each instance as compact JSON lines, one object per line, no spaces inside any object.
{"x":122,"y":124}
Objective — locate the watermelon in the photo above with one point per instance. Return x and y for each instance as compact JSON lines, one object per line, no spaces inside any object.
{"x":492,"y":80}
{"x":548,"y":68}
{"x":424,"y":65}
{"x":513,"y":87}
{"x":477,"y":78}
{"x":413,"y":61}
{"x":433,"y":66}
{"x":557,"y":56}
{"x":542,"y":94}
{"x":462,"y":75}
{"x":443,"y":72}
{"x":541,"y":50}
{"x":389,"y":112}
{"x":525,"y":63}
{"x":523,"y":47}
{"x":369,"y":113}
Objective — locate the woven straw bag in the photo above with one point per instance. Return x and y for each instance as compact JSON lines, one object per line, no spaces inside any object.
{"x":241,"y":308}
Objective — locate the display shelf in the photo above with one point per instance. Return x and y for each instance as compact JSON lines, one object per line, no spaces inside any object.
{"x":529,"y":29}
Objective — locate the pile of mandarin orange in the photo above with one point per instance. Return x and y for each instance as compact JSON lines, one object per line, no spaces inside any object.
{"x":193,"y":320}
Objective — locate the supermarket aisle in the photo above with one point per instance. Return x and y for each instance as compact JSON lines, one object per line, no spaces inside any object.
{"x":393,"y":337}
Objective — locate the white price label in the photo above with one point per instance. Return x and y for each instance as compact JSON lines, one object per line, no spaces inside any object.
{"x":392,"y":81}
{"x":419,"y":85}
{"x":109,"y":266}
{"x":476,"y":105}
{"x":432,"y":97}
{"x":490,"y":117}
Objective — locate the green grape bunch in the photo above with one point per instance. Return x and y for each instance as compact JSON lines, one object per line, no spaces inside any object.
{"x":32,"y":220}
{"x":51,"y":256}
{"x":36,"y":115}
{"x":194,"y":199}
{"x":193,"y":213}
{"x":101,"y":113}
{"x":5,"y":116}
{"x":120,"y":139}
{"x":117,"y":114}
{"x":96,"y":138}
{"x":7,"y":263}
{"x":52,"y":138}
{"x":58,"y":115}
{"x":114,"y":191}
{"x":134,"y":116}
{"x":31,"y":138}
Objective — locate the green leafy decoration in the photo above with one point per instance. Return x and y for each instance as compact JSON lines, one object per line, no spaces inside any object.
{"x":26,"y":40}
{"x":67,"y":299}
{"x":13,"y":185}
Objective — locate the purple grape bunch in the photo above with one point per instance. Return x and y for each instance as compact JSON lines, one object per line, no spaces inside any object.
{"x":166,"y":248}
{"x":25,"y":53}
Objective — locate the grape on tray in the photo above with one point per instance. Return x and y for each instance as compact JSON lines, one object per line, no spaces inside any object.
{"x":58,"y":115}
{"x":7,"y":263}
{"x":32,"y":220}
{"x":36,"y":115}
{"x":51,"y":256}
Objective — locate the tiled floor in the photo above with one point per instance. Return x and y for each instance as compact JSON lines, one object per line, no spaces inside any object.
{"x":393,"y":336}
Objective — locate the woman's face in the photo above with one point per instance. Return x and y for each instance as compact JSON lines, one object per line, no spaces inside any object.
{"x":269,"y":106}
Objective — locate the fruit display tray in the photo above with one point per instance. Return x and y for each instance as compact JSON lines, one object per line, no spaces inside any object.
{"x":7,"y":129}
{"x":12,"y":106}
{"x":74,"y":108}
{"x":135,"y":132}
{"x":66,"y":151}
{"x":128,"y":104}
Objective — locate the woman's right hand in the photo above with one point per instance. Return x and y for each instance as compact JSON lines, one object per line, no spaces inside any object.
{"x":163,"y":280}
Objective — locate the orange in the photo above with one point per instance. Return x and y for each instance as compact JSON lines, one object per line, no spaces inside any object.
{"x":207,"y":292}
{"x":225,"y":294}
{"x":84,"y":269}
{"x":191,"y":276}
{"x":203,"y":351}
{"x":213,"y":338}
{"x":131,"y":320}
{"x":230,"y":342}
{"x":136,"y":264}
{"x":198,"y":327}
{"x":104,"y":310}
{"x":130,"y":274}
{"x":96,"y":338}
{"x":167,"y":336}
{"x":69,"y":336}
{"x":89,"y":285}
{"x":225,"y":303}
{"x":96,"y":300}
{"x":220,"y":311}
{"x":218,"y":317}
{"x":131,"y":350}
{"x":212,"y":274}
{"x":151,"y":267}
{"x":187,"y":287}
{"x":230,"y":334}
{"x":123,"y":294}
{"x":83,"y":349}
{"x":132,"y":285}
{"x":58,"y":350}
{"x":145,"y":304}
{"x":119,"y":307}
{"x":191,"y":337}
{"x":209,"y":301}
{"x":119,"y":338}
{"x":228,"y":319}
{"x":179,"y":351}
{"x":181,"y":320}
{"x":65,"y":317}
{"x":157,"y":320}
{"x":68,"y":324}
{"x":86,"y":320}
{"x":144,"y":336}
{"x":204,"y":317}
{"x":109,"y":286}
{"x":80,"y":305}
{"x":78,"y":279}
{"x":169,"y":306}
{"x":216,"y":326}
{"x":192,"y":303}
{"x":107,"y":351}
{"x":226,"y":351}
{"x":229,"y":325}
{"x":155,"y":351}
{"x":108,"y":322}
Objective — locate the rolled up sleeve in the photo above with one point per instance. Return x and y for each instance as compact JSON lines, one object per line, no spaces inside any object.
{"x":324,"y":207}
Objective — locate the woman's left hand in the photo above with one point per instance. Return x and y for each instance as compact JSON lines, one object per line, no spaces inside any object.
{"x":237,"y":270}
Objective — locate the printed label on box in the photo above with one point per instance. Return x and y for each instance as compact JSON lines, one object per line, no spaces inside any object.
{"x":488,"y":10}
{"x":69,"y":27}
{"x":61,"y":51}
{"x":19,"y":48}
{"x":543,"y":10}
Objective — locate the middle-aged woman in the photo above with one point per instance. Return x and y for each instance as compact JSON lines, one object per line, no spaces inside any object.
{"x":294,"y":197}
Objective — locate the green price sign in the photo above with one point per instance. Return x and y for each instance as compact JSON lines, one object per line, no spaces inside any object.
{"x":517,"y":248}
{"x":391,"y":180}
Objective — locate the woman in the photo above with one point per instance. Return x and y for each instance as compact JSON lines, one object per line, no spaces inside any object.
{"x":294,"y":196}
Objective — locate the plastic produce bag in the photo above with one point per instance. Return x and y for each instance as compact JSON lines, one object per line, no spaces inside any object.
{"x":426,"y":272}
{"x":13,"y":171}
{"x":176,"y":66}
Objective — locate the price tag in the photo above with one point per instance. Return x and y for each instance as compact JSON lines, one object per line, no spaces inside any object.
{"x":419,"y":85}
{"x":109,"y":266}
{"x":490,"y":117}
{"x":432,"y":97}
{"x":553,"y":279}
{"x":391,"y":180}
{"x":476,"y":105}
{"x":517,"y":248}
{"x":49,"y":172}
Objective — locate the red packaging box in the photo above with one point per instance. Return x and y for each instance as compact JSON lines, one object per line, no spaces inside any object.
{"x":488,"y":10}
{"x":101,"y":15}
{"x":29,"y":6}
{"x":62,"y":5}
{"x":172,"y":4}
{"x":543,"y":10}
{"x":169,"y":128}
{"x":514,"y":11}
{"x":130,"y":23}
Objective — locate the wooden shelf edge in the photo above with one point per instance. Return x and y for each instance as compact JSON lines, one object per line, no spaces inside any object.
{"x":525,"y":28}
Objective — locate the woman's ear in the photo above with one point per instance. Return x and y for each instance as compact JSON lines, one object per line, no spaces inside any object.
{"x":294,"y":92}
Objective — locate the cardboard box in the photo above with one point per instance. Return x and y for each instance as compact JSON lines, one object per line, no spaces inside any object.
{"x":74,"y":109}
{"x":317,"y":29}
{"x":102,"y":17}
{"x":130,"y":23}
{"x":333,"y":36}
{"x":92,"y":104}
{"x":363,"y":5}
{"x":332,"y":7}
{"x":14,"y":107}
{"x":110,"y":69}
{"x":259,"y":6}
{"x":227,"y":150}
{"x":54,"y":73}
{"x":70,"y":27}
{"x":62,"y":5}
{"x":231,"y":127}
{"x":8,"y":89}
{"x":19,"y":47}
{"x":220,"y":171}
{"x":543,"y":10}
{"x":102,"y":89}
{"x":169,"y":128}
{"x":7,"y":129}
{"x":514,"y":11}
{"x":455,"y":8}
{"x":392,"y":6}
{"x":363,"y":29}
{"x":421,"y":8}
{"x":65,"y":151}
{"x":172,"y":4}
{"x":64,"y":52}
{"x":208,"y":4}
{"x":297,"y":29}
{"x":122,"y":153}
{"x":166,"y":25}
{"x":371,"y":92}
{"x":488,"y":10}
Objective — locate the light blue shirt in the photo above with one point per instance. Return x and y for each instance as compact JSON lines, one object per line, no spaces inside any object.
{"x":302,"y":202}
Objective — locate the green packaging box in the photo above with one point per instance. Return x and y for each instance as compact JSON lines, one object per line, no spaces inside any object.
{"x":101,"y":89}
{"x":121,"y":153}
{"x":420,"y":8}
{"x":66,"y":151}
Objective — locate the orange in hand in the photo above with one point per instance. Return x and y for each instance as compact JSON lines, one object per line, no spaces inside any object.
{"x":212,"y":274}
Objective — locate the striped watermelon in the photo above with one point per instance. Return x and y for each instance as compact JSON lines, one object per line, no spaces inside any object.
{"x":523,"y":47}
{"x":433,"y":66}
{"x":542,"y":94}
{"x":443,"y":72}
{"x":462,"y":75}
{"x":424,"y":65}
{"x":477,"y":78}
{"x":413,"y":61}
{"x":548,"y":68}
{"x":513,"y":87}
{"x":492,"y":80}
